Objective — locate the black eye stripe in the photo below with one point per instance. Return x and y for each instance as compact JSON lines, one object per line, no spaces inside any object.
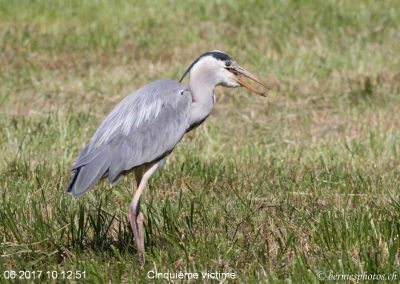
{"x":216,"y":54}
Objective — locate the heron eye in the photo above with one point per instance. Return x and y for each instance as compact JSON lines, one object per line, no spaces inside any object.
{"x":228,"y":63}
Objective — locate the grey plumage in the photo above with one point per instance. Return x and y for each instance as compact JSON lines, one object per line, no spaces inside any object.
{"x":144,"y":127}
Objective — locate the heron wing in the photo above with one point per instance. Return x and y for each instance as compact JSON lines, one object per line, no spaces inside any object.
{"x":144,"y":127}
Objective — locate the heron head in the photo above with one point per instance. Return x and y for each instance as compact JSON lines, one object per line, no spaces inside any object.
{"x":219,"y":68}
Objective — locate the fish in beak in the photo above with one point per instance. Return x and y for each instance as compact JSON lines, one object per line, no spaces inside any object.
{"x":241,"y":73}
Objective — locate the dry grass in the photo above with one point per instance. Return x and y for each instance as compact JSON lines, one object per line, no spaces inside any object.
{"x":273,"y":189}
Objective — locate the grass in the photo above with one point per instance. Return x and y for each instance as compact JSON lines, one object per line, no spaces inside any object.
{"x":277,"y":189}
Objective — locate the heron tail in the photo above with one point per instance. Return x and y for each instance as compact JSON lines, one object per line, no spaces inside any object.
{"x":86,"y":176}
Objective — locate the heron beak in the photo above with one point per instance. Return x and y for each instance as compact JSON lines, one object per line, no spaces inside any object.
{"x":241,"y":74}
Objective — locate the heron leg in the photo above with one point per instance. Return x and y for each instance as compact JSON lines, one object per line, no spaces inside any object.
{"x":134,"y":226}
{"x":134,"y":214}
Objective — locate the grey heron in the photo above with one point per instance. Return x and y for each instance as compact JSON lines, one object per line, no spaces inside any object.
{"x":144,"y":128}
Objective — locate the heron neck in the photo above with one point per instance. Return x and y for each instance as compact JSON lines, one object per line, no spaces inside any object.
{"x":203,"y":99}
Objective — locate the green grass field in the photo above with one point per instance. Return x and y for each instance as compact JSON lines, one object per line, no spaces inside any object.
{"x":286,"y":188}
